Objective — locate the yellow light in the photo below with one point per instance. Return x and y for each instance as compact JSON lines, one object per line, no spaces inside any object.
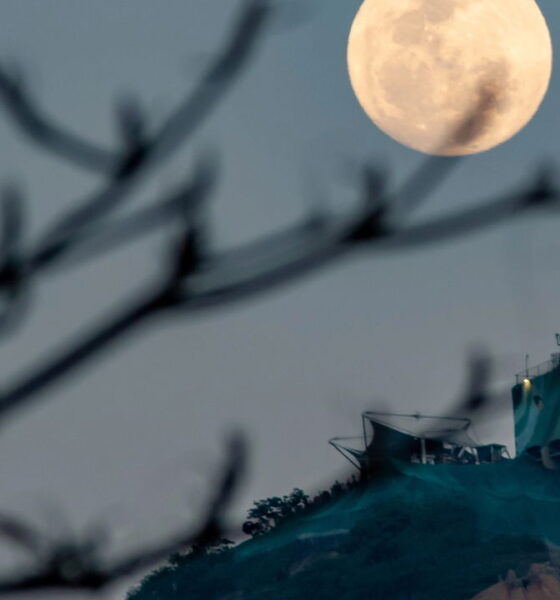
{"x":526,"y":381}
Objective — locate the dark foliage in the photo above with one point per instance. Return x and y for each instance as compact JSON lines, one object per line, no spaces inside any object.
{"x":269,"y":513}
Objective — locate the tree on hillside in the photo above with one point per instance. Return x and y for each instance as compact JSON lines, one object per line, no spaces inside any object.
{"x":268,"y":513}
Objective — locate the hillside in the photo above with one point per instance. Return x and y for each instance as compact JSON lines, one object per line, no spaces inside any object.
{"x":445,"y":531}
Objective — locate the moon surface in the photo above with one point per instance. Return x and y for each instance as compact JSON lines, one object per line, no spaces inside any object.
{"x":450,"y":77}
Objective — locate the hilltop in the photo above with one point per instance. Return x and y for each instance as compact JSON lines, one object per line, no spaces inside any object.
{"x":444,"y":531}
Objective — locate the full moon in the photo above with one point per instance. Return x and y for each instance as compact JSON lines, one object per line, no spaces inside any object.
{"x":450,"y":77}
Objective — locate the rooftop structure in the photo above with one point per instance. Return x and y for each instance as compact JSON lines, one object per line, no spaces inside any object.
{"x":415,"y":438}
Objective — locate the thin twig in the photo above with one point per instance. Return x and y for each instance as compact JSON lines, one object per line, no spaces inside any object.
{"x":71,"y":565}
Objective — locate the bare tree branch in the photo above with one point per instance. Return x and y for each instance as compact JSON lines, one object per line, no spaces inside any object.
{"x":177,"y":127}
{"x":539,"y":194}
{"x":78,"y":565}
{"x":211,"y":281}
{"x":180,"y":203}
{"x":43,"y":131}
{"x":138,"y":160}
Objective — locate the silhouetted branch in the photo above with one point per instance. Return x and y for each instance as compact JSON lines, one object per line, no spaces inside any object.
{"x":78,"y":565}
{"x":141,"y":152}
{"x":13,"y":276}
{"x":180,"y":125}
{"x":18,"y":266}
{"x":181,"y":203}
{"x":176,"y":128}
{"x":540,"y":194}
{"x":63,"y":362}
{"x":303,"y":247}
{"x":43,"y":131}
{"x":21,"y":534}
{"x":197,"y":281}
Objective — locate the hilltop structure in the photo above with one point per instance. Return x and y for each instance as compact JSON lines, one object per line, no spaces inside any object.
{"x":415,"y":438}
{"x":426,"y":439}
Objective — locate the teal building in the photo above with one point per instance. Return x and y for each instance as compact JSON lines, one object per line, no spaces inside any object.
{"x":536,"y":410}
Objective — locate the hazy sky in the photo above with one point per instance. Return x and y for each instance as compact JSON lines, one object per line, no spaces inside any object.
{"x":137,"y":435}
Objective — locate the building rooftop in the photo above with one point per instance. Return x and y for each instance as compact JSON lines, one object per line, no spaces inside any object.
{"x":545,"y":367}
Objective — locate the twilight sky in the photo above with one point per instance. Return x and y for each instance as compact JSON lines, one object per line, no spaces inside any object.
{"x":136,"y":435}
